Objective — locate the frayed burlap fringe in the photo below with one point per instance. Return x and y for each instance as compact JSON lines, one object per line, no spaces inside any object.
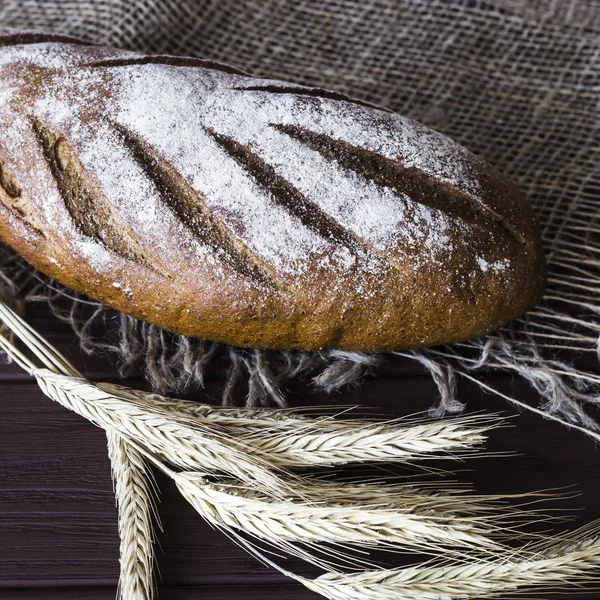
{"x":517,"y":83}
{"x":176,"y":363}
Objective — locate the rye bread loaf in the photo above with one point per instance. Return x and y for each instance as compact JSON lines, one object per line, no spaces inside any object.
{"x":252,"y":211}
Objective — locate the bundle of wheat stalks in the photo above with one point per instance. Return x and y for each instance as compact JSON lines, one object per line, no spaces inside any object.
{"x":253,"y":473}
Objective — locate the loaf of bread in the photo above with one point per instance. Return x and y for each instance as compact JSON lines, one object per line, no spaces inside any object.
{"x":252,"y":211}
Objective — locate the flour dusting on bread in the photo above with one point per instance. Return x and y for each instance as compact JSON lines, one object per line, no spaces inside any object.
{"x":253,"y":211}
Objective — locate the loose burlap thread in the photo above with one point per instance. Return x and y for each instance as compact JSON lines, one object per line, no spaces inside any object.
{"x":517,"y":83}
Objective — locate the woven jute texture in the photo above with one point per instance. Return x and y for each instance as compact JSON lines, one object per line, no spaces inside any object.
{"x":516,"y":82}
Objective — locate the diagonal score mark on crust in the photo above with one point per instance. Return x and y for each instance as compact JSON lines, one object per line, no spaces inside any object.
{"x":11,"y":196}
{"x":91,"y":211}
{"x":25,"y":38}
{"x":410,"y":181}
{"x":193,"y":212}
{"x":168,"y":60}
{"x":310,"y":214}
{"x":284,"y":193}
{"x":313,"y":92}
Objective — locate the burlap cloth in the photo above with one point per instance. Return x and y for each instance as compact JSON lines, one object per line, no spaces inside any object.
{"x":516,"y":82}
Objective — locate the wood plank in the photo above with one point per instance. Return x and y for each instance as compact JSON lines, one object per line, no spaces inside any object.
{"x":263,"y":592}
{"x":227,"y":592}
{"x":57,"y":513}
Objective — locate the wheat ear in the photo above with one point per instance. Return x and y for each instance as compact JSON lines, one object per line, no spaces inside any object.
{"x":290,"y":441}
{"x":268,"y":502}
{"x":134,"y":494}
{"x":132,"y":480}
{"x":306,"y":522}
{"x":563,"y":564}
{"x":447,"y":503}
{"x":387,"y":442}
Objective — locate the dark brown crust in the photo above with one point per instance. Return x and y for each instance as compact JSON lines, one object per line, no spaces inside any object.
{"x":164,"y":59}
{"x":92,"y":212}
{"x":299,"y":90}
{"x":21,"y":38}
{"x":244,"y":300}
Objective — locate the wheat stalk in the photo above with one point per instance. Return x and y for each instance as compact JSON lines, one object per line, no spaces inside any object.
{"x":305,"y":522}
{"x":230,"y":468}
{"x":133,"y":491}
{"x":292,"y":441}
{"x":172,"y":441}
{"x":561,"y":564}
{"x":255,"y":418}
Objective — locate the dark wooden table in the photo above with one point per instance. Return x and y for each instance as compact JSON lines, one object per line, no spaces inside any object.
{"x":58,"y":532}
